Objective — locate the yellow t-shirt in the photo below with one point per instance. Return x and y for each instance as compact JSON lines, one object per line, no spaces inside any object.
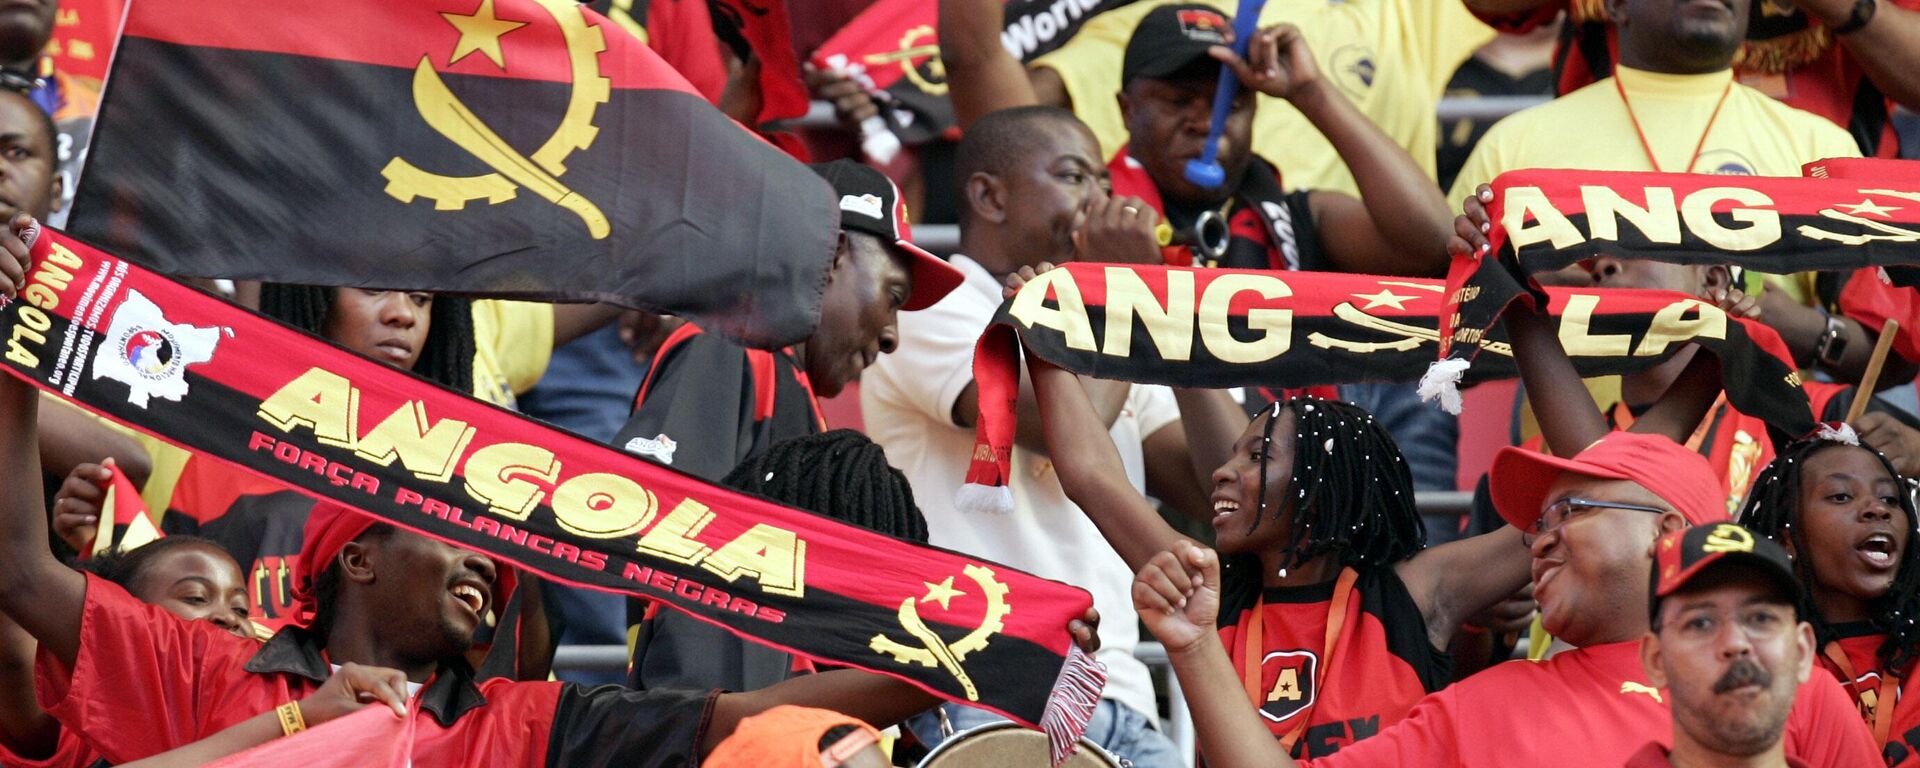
{"x":512,"y":343}
{"x":1589,"y":129}
{"x":1755,"y":135}
{"x":1391,"y":58}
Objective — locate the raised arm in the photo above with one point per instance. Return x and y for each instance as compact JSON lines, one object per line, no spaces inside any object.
{"x":1177,"y":595}
{"x":35,"y":589}
{"x":1090,"y":471}
{"x":982,"y":76}
{"x":1568,"y":424}
{"x":1400,"y":223}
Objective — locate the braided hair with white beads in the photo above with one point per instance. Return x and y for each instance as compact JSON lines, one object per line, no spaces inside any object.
{"x":1350,"y":495}
{"x":1773,"y":510}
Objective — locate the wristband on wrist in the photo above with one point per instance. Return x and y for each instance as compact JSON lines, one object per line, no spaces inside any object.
{"x":291,"y":722}
{"x":1863,"y":11}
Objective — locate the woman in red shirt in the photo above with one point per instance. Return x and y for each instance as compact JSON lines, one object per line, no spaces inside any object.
{"x":1341,"y":618}
{"x":1848,"y":520}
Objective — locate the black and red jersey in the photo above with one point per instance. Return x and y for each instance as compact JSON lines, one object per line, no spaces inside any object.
{"x":1381,"y":663}
{"x":706,"y":405}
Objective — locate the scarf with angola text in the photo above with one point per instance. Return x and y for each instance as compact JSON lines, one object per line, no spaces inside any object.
{"x":1544,"y":220}
{"x":186,"y":367}
{"x":1215,"y":328}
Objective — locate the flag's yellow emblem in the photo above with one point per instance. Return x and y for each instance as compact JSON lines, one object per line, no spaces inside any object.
{"x":541,"y":171}
{"x":933,"y":650}
{"x":934,"y":81}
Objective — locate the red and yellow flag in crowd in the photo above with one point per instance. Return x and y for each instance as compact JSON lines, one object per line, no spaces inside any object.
{"x":515,"y":147}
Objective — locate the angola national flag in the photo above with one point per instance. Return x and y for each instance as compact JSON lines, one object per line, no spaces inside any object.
{"x":515,"y":147}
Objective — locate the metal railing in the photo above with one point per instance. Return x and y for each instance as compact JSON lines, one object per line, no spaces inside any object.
{"x":820,"y":113}
{"x":1178,"y":723}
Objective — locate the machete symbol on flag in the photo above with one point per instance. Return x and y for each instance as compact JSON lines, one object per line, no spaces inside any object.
{"x":482,"y":32}
{"x":520,"y":148}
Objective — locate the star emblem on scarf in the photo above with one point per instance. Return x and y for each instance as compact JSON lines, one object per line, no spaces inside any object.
{"x":1868,"y":207}
{"x":1385,"y":298}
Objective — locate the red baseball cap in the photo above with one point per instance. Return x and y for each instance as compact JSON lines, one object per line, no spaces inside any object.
{"x":1680,"y":477}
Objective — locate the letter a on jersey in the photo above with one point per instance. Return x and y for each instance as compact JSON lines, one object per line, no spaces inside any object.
{"x":1288,"y":676}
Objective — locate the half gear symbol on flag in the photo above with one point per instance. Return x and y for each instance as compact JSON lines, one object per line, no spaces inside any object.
{"x":933,"y":650}
{"x":540,"y":171}
{"x":148,"y":353}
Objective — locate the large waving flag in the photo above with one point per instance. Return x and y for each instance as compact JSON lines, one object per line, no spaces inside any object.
{"x":517,"y":147}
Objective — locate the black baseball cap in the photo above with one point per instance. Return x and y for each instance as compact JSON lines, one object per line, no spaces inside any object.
{"x":870,"y":203}
{"x":1171,"y":37}
{"x":1681,"y":556}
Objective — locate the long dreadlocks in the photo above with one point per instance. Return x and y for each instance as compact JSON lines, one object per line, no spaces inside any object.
{"x":1351,"y":492}
{"x":840,"y":474}
{"x":446,"y":358}
{"x":1773,"y":510}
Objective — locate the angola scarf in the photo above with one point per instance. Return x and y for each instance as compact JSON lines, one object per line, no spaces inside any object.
{"x":188,"y":368}
{"x":1215,"y":328}
{"x":1544,"y":220}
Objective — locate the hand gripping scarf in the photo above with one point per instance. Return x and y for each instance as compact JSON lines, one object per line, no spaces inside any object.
{"x":1216,"y":328}
{"x":201,"y":373}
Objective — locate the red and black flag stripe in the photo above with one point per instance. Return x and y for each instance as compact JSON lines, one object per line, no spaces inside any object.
{"x":1215,"y":328}
{"x":1545,"y":220}
{"x":230,"y":385}
{"x":516,"y":147}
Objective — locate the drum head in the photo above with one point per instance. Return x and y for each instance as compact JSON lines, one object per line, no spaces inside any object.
{"x":1004,"y":744}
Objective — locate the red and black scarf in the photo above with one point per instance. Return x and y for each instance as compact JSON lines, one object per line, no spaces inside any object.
{"x":1545,"y":220}
{"x":196,"y":371}
{"x":1214,"y":328}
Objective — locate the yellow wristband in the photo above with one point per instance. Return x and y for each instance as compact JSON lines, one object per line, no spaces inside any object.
{"x":290,"y":720}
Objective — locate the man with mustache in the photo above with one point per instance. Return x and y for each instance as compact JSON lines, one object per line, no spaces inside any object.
{"x":1727,"y":647}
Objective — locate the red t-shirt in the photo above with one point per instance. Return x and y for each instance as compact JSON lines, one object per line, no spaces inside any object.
{"x":145,"y":681}
{"x":1861,"y":644}
{"x":1585,"y":708}
{"x":1381,"y":664}
{"x":1827,"y":84}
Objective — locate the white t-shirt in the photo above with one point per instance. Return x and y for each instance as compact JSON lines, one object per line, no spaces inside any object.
{"x":907,"y":400}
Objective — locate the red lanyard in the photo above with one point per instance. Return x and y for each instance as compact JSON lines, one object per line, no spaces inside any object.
{"x":1883,"y":700}
{"x":1253,"y":648}
{"x":1654,"y":161}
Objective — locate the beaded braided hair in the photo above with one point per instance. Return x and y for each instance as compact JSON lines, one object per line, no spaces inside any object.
{"x":446,"y":357}
{"x":1773,"y":510}
{"x":1351,"y":493}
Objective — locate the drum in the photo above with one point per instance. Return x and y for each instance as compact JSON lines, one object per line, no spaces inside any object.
{"x":995,"y":745}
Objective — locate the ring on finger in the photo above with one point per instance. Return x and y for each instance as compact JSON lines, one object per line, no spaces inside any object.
{"x":1130,"y":210}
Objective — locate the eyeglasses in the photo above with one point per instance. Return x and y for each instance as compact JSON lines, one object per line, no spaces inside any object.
{"x":1558,"y":513}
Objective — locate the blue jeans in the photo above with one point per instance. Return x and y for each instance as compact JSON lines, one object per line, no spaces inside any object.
{"x":1115,"y":727}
